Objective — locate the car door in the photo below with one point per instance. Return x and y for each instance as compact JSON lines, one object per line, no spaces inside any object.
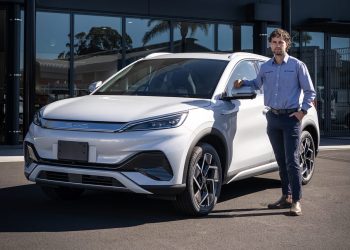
{"x":251,"y":146}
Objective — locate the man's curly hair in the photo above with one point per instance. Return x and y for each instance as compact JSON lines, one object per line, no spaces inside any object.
{"x":283,"y":34}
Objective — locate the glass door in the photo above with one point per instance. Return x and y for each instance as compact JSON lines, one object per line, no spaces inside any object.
{"x":338,"y":96}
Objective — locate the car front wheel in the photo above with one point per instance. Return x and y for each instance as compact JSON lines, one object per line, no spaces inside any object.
{"x":307,"y":156}
{"x":204,"y":180}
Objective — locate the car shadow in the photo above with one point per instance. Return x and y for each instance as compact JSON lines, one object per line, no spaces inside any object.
{"x":247,"y":186}
{"x":25,"y":209}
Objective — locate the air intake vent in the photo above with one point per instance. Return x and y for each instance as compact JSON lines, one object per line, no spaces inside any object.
{"x":53,"y":176}
{"x":101,"y":181}
{"x":81,"y":179}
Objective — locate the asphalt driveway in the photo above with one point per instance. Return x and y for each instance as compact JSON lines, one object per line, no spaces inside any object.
{"x":124,"y":221}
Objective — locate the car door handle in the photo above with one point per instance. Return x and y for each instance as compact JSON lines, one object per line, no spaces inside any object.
{"x":229,"y":111}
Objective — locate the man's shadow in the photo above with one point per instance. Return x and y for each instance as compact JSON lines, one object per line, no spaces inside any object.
{"x":243,"y":188}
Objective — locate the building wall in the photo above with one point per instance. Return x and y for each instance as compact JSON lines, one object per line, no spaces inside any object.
{"x":229,"y":10}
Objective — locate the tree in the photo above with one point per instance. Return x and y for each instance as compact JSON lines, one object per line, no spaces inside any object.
{"x":184,"y":27}
{"x":98,"y":39}
{"x":305,"y":38}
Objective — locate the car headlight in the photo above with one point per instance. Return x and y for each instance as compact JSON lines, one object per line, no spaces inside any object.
{"x":37,"y":119}
{"x":164,"y":122}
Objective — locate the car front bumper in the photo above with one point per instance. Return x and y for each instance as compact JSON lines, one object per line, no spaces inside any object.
{"x":148,"y":162}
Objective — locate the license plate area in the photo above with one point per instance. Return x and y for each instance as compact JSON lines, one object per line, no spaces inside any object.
{"x":73,"y":151}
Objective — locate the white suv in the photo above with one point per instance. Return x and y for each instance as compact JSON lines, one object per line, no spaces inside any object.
{"x":168,"y":125}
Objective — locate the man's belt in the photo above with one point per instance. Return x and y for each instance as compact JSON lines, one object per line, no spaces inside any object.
{"x":283,"y":111}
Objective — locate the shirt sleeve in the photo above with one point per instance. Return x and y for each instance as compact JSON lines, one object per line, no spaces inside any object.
{"x":255,"y":83}
{"x":307,"y":86}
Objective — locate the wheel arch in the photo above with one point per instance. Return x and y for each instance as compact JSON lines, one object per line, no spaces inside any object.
{"x":215,"y":138}
{"x":311,"y":128}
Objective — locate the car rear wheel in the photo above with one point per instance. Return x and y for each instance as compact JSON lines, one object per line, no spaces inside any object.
{"x":204,"y":180}
{"x":307,"y":156}
{"x":62,"y":193}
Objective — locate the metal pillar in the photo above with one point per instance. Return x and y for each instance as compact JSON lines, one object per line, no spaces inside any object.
{"x":13,"y":76}
{"x":29,"y":64}
{"x":287,"y":15}
{"x":260,"y":38}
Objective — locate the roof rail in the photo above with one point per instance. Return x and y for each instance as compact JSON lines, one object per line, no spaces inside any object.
{"x":157,"y":54}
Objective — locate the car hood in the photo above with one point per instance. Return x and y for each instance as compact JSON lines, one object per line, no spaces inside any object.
{"x":109,"y":108}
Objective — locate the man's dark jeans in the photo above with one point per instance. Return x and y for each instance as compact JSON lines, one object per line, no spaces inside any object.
{"x":284,"y":134}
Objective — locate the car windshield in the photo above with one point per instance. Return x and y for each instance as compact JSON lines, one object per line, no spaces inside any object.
{"x":185,"y":77}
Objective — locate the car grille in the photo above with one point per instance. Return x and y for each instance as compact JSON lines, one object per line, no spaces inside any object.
{"x":80,"y":179}
{"x":108,"y":127}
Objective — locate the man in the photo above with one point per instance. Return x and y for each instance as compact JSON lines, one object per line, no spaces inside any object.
{"x":283,"y":77}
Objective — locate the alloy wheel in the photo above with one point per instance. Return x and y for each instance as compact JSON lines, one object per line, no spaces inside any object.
{"x":205,"y":181}
{"x":307,"y":157}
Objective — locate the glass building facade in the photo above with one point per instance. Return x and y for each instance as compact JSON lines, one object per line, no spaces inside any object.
{"x":75,"y":49}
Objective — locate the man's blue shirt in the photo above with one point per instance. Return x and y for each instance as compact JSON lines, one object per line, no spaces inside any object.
{"x":282,"y":84}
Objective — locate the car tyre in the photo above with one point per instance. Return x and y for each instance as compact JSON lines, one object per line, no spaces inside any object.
{"x":307,"y":157}
{"x":203,"y":183}
{"x":62,"y":193}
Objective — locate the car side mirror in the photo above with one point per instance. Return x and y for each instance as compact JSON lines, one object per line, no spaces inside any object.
{"x":94,"y":86}
{"x":244,"y":92}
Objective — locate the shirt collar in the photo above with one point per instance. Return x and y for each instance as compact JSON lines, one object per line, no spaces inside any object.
{"x":285,"y":59}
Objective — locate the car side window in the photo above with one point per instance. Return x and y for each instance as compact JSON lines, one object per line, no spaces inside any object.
{"x":258,"y":64}
{"x":244,"y":70}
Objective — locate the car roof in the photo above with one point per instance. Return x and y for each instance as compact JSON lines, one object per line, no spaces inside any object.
{"x":206,"y":55}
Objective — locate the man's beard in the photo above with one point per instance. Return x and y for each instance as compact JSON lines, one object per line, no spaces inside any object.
{"x":279,"y":52}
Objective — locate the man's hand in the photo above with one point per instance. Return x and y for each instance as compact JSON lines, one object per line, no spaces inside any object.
{"x":238,"y":83}
{"x":299,"y":115}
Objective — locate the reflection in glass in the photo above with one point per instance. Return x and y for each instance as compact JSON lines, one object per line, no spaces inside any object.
{"x":295,"y":46}
{"x":146,"y":36}
{"x":315,"y":39}
{"x":312,"y":54}
{"x":51,"y":67}
{"x":247,"y":38}
{"x":193,"y":37}
{"x":97,"y":50}
{"x":339,"y":75}
{"x":225,"y":37}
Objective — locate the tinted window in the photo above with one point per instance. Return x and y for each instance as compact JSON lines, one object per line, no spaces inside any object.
{"x":97,"y":50}
{"x":52,"y":39}
{"x":193,"y":37}
{"x":195,"y":78}
{"x":145,"y":36}
{"x":225,"y":37}
{"x":247,"y":38}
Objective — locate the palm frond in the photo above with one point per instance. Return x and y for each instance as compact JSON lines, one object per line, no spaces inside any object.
{"x":159,"y":28}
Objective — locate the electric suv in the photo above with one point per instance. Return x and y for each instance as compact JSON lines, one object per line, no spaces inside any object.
{"x":168,"y":125}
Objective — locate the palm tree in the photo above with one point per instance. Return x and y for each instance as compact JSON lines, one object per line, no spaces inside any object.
{"x":184,"y":27}
{"x":305,"y":38}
